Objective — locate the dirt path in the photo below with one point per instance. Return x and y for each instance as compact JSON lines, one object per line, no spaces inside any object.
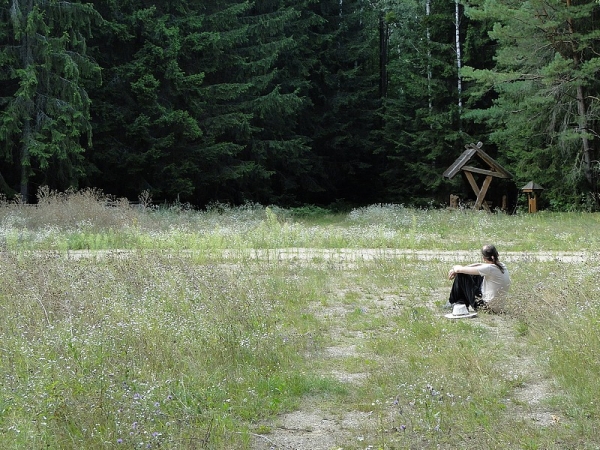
{"x":312,"y":427}
{"x":315,"y":427}
{"x":361,"y":254}
{"x":370,"y":254}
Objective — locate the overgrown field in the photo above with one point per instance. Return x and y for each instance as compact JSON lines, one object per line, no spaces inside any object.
{"x":173,"y":345}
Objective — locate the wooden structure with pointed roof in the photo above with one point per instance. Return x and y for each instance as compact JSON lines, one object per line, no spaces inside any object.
{"x":532,"y":190}
{"x":494,"y":170}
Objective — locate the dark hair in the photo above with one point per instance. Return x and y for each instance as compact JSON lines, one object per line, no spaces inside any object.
{"x":490,"y":253}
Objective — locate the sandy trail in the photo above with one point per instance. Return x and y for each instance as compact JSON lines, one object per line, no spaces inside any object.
{"x":313,"y":427}
{"x":359,"y":254}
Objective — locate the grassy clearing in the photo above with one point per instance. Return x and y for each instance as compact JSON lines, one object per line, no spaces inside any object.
{"x":438,"y":384}
{"x":91,"y":220}
{"x":163,"y":349}
{"x":148,"y":350}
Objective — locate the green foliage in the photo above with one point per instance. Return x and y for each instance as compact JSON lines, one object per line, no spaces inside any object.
{"x":543,"y":118}
{"x":297,"y":102}
{"x":309,"y":211}
{"x":421,"y":125}
{"x":345,"y":100}
{"x":47,"y":72}
{"x":215,"y":118}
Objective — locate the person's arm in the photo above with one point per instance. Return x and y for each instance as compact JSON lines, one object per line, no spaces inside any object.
{"x":471,"y":269}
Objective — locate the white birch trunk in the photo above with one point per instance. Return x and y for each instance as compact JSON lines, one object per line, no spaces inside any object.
{"x":429,"y":74}
{"x":458,"y":56}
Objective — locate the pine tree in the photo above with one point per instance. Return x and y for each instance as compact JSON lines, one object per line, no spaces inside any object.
{"x":202,"y":101}
{"x":422,"y":132}
{"x":346,"y":96}
{"x":147,"y":133}
{"x":545,"y":116}
{"x":45,"y":72}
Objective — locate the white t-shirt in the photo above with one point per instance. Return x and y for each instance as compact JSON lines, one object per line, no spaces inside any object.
{"x":495,"y":283}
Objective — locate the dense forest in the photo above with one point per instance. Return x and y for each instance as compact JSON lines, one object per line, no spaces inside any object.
{"x":323,"y":102}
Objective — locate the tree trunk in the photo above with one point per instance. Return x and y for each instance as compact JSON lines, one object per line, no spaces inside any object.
{"x":429,"y":74}
{"x":6,"y":189}
{"x":383,"y":56}
{"x":25,"y":164}
{"x":26,"y":136}
{"x":458,"y":55}
{"x":581,"y":111}
{"x":583,"y":126}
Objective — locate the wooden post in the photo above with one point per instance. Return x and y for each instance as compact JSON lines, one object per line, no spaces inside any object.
{"x":532,"y":202}
{"x":453,"y":201}
{"x":532,"y":189}
{"x":480,"y":193}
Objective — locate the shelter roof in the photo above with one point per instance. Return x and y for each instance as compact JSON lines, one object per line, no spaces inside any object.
{"x":495,"y":169}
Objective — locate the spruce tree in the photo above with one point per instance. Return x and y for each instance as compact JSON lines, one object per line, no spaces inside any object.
{"x":545,"y":116}
{"x":147,"y":133}
{"x":253,"y":95}
{"x":422,"y":133}
{"x":345,"y":92}
{"x":202,"y":101}
{"x":45,"y":74}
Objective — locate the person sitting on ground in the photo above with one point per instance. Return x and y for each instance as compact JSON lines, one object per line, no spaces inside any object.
{"x":481,"y":284}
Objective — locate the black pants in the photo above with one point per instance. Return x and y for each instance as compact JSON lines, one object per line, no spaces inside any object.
{"x":466,"y":289}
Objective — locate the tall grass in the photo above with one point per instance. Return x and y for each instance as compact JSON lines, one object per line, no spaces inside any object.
{"x":163,"y":348}
{"x":151,"y":349}
{"x":92,"y":220}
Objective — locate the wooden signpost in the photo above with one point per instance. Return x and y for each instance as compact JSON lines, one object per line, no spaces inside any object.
{"x":493,"y":170}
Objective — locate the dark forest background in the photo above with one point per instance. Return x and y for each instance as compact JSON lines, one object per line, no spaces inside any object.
{"x":298,"y":102}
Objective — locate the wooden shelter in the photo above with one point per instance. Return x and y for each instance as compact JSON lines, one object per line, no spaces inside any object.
{"x":493,"y":170}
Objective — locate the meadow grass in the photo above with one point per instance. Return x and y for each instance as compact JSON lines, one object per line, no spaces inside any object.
{"x":90,"y":220}
{"x":443,"y":384}
{"x":162,"y":348}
